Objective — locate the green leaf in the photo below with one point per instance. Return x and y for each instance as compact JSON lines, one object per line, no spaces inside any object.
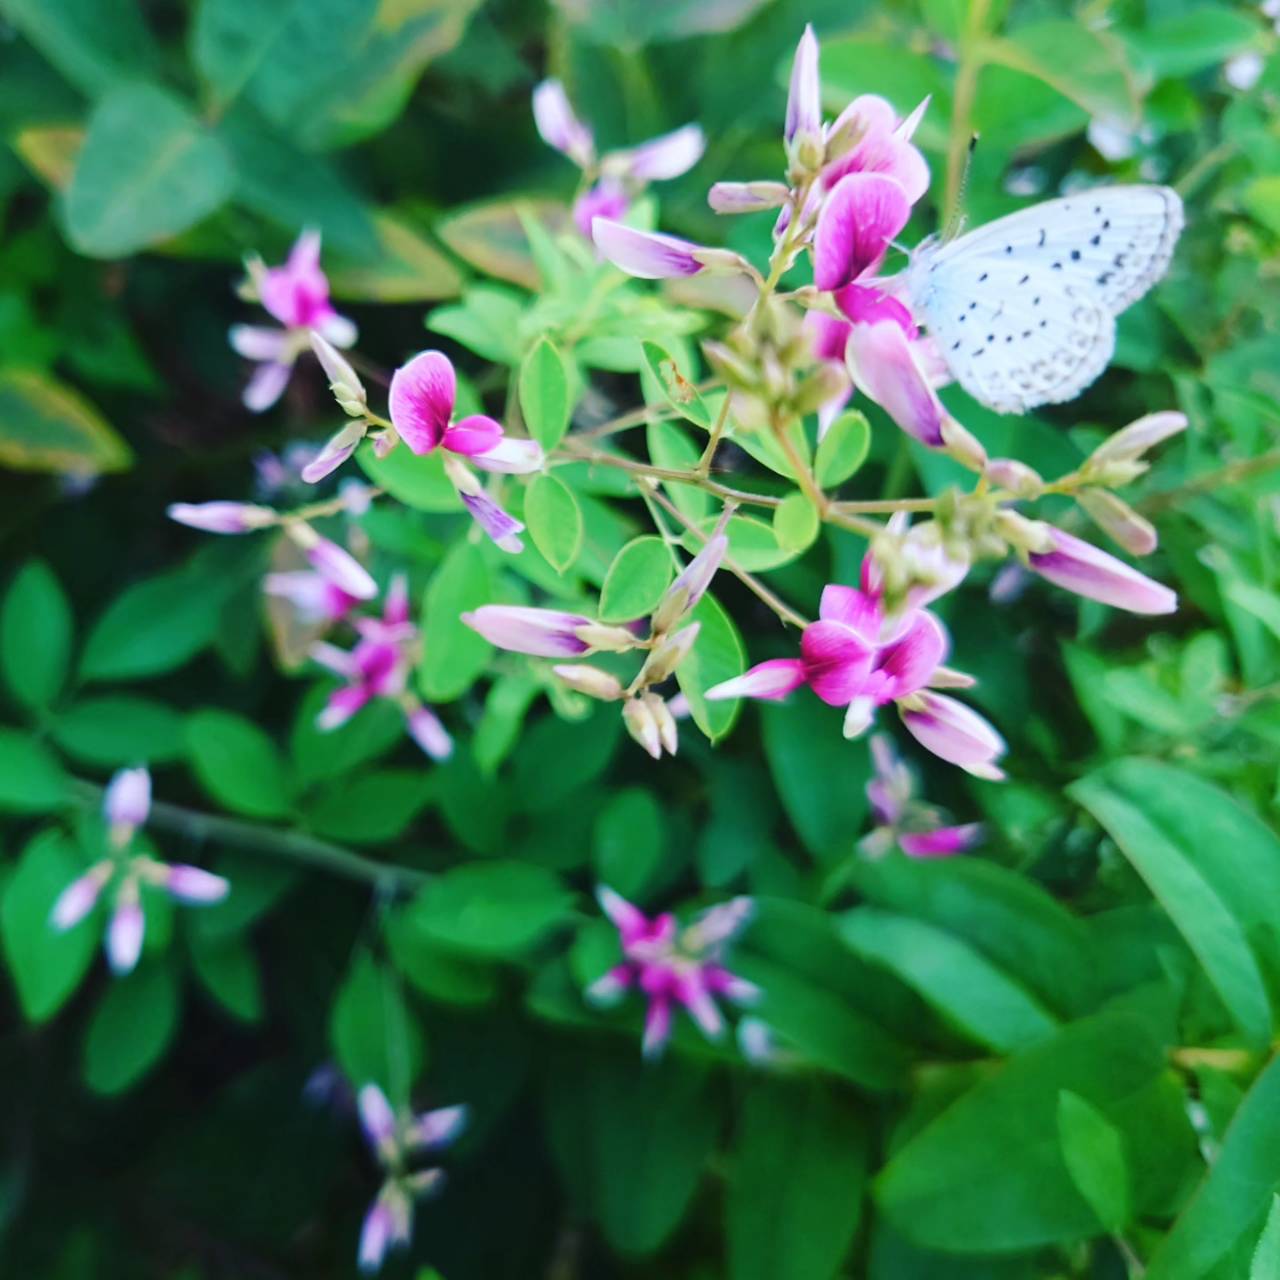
{"x":843,"y":449}
{"x":371,"y":807}
{"x":1266,"y":1257}
{"x":637,"y":578}
{"x":796,"y":1182}
{"x":505,"y":705}
{"x":229,"y":972}
{"x":795,"y":524}
{"x":544,"y":394}
{"x":1237,"y":1190}
{"x":1093,"y":1151}
{"x":985,"y":1003}
{"x":677,"y":390}
{"x":492,"y":236}
{"x":120,"y":729}
{"x":375,"y":1039}
{"x":438,"y":972}
{"x":131,"y":1028}
{"x":753,"y":545}
{"x":718,"y":654}
{"x":31,"y":779}
{"x":401,"y":266}
{"x":988,"y":1174}
{"x":554,"y":519}
{"x":279,"y":55}
{"x":46,"y":966}
{"x":417,"y":481}
{"x":631,"y":1139}
{"x":671,"y":446}
{"x":496,"y":908}
{"x":486,"y":321}
{"x":455,"y":655}
{"x":1182,"y":44}
{"x":35,"y":635}
{"x":1171,"y":862}
{"x":238,"y":764}
{"x":148,"y":170}
{"x":45,"y":426}
{"x":629,"y":843}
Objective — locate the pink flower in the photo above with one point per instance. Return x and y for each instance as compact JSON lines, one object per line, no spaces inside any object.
{"x":859,"y":218}
{"x":804,"y":95}
{"x":901,"y":819}
{"x":649,"y":255}
{"x":297,"y":295}
{"x":125,"y":932}
{"x":315,"y":597}
{"x":126,"y":803}
{"x":221,"y":517}
{"x":559,"y":126}
{"x":674,"y":969}
{"x":1085,"y":569}
{"x":954,"y":733}
{"x":868,"y":137}
{"x":378,"y":667}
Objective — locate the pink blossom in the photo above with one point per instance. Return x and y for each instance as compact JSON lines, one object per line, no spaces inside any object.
{"x":859,"y":218}
{"x":903,"y":820}
{"x":559,"y":126}
{"x":649,"y":255}
{"x":674,"y":969}
{"x":297,"y":295}
{"x":79,"y":897}
{"x":953,"y":732}
{"x":804,"y":96}
{"x":195,"y":885}
{"x":314,"y":596}
{"x":127,"y":802}
{"x":221,"y":517}
{"x":125,"y":931}
{"x":868,"y":137}
{"x":1087,"y":570}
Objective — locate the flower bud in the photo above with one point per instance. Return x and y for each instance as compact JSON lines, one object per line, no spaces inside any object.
{"x":344,"y":382}
{"x":1119,"y":521}
{"x":1021,"y":480}
{"x":668,"y":733}
{"x":683,"y":594}
{"x":640,"y":723}
{"x":802,"y":129}
{"x":124,"y":933}
{"x":80,"y":897}
{"x":609,"y":639}
{"x":332,"y":562}
{"x":667,"y":654}
{"x":746,"y":197}
{"x":1131,"y":442}
{"x":591,"y":681}
{"x":194,"y":885}
{"x":648,"y":255}
{"x":337,"y":449}
{"x":1087,"y":570}
{"x":963,"y":445}
{"x":221,"y":517}
{"x":542,"y":633}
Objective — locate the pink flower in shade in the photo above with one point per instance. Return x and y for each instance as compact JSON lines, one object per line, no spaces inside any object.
{"x":673,"y":968}
{"x":378,"y":667}
{"x":901,"y":819}
{"x":314,"y":596}
{"x":297,"y":295}
{"x":396,"y":1138}
{"x":126,"y":805}
{"x":221,"y":517}
{"x":868,"y":137}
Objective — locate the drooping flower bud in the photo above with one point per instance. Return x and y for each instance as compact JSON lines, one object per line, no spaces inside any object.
{"x":648,"y":255}
{"x":746,"y":197}
{"x":642,"y":725}
{"x":221,"y":517}
{"x":591,"y":681}
{"x":1020,"y":479}
{"x":344,"y":382}
{"x":667,"y":654}
{"x":1119,"y":521}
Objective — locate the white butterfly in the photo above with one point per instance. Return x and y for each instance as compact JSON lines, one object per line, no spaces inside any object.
{"x":1023,"y":310}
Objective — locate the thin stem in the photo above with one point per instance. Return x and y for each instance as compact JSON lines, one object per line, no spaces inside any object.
{"x":674,"y":474}
{"x":271,"y":842}
{"x":329,"y":507}
{"x":963,"y":100}
{"x":370,"y":370}
{"x":885,"y":506}
{"x":722,"y":419}
{"x":750,"y":581}
{"x":640,"y":417}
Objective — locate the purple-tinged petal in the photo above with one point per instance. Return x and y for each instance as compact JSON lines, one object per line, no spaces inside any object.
{"x":890,"y":789}
{"x":336,"y":450}
{"x":559,"y":126}
{"x":512,"y":457}
{"x":375,"y":1236}
{"x":657,"y":1028}
{"x":606,"y":199}
{"x":940,"y":843}
{"x":829,"y":335}
{"x":1131,"y":442}
{"x":341,"y":568}
{"x":1088,"y":571}
{"x":667,"y":156}
{"x":721,"y":982}
{"x":954,"y":733}
{"x":858,"y":219}
{"x":124,"y":936}
{"x":804,"y":95}
{"x":881,"y":364}
{"x":336,"y":329}
{"x":194,"y":885}
{"x":221,"y":517}
{"x":695,"y":997}
{"x":476,"y":434}
{"x":127,"y":800}
{"x":543,"y":633}
{"x":426,"y":729}
{"x":646,"y":254}
{"x":772,"y":680}
{"x":629,"y":920}
{"x":911,"y":660}
{"x":610,"y":987}
{"x":257,"y":342}
{"x":266,"y":385}
{"x":865,"y":304}
{"x":342,"y":705}
{"x":376,"y":1116}
{"x":79,"y":897}
{"x":837,"y":661}
{"x":423,"y":393}
{"x":857,"y":609}
{"x":504,"y":529}
{"x":746,"y":197}
{"x":435,"y":1129}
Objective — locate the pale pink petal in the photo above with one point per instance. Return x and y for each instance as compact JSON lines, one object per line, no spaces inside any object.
{"x":1089,"y":571}
{"x":804,"y":96}
{"x":337,"y":449}
{"x":376,"y":1116}
{"x":338,"y":330}
{"x":265,"y":386}
{"x":375,"y":1236}
{"x":559,"y":126}
{"x":954,"y":732}
{"x":511,"y":457}
{"x":503,"y":528}
{"x":858,"y":219}
{"x":435,"y":1129}
{"x":543,"y":633}
{"x":772,"y":680}
{"x":194,"y":885}
{"x":646,"y":254}
{"x":429,"y":733}
{"x":423,"y":393}
{"x":629,"y":920}
{"x":334,"y":659}
{"x":719,"y":981}
{"x":657,"y":1028}
{"x":610,"y":987}
{"x":221,"y":517}
{"x":604,"y":199}
{"x":341,"y":568}
{"x":76,"y":900}
{"x":342,"y":705}
{"x":395,"y":609}
{"x":476,"y":434}
{"x":882,"y":365}
{"x":691,"y":993}
{"x":127,"y":800}
{"x":257,"y":342}
{"x":667,"y":156}
{"x":837,"y":661}
{"x":124,"y":938}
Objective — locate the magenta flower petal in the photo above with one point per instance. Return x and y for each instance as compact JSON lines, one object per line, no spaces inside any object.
{"x":476,"y":434}
{"x":342,"y":705}
{"x":829,"y":335}
{"x":667,"y":156}
{"x":266,"y":385}
{"x":912,"y":659}
{"x":954,"y":733}
{"x":857,"y":609}
{"x":837,"y":661}
{"x":646,"y":254}
{"x":940,"y":843}
{"x":882,"y":364}
{"x":124,"y":937}
{"x":543,"y":633}
{"x":864,"y":304}
{"x":611,"y":986}
{"x":423,"y":393}
{"x":858,"y":219}
{"x":772,"y":680}
{"x":559,"y":126}
{"x":429,"y":733}
{"x":127,"y":800}
{"x":804,"y":96}
{"x":1088,"y":571}
{"x":630,"y":921}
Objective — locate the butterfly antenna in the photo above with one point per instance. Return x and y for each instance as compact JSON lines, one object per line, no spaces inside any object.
{"x":955,"y":223}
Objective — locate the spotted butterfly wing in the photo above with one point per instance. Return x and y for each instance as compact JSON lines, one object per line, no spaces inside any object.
{"x":1023,"y":310}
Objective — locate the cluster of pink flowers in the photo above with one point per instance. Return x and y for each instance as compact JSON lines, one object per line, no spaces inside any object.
{"x":673,"y":967}
{"x":123,"y":871}
{"x":396,"y":1139}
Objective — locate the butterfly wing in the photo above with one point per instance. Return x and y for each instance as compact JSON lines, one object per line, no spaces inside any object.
{"x":1041,"y":287}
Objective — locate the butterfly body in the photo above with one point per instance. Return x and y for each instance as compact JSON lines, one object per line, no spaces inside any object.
{"x":1023,"y":309}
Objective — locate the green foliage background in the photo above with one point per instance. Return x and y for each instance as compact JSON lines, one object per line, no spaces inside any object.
{"x":1035,"y":1062}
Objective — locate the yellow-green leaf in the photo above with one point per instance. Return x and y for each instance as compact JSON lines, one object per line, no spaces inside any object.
{"x":45,"y":426}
